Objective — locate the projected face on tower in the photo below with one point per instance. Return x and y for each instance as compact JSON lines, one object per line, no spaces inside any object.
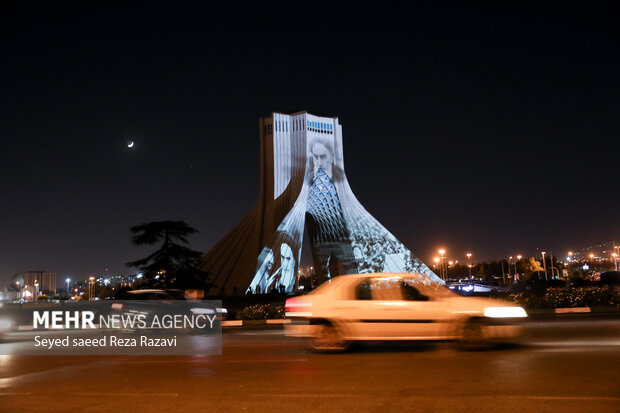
{"x":268,"y":278}
{"x":322,"y":157}
{"x":288,"y":265}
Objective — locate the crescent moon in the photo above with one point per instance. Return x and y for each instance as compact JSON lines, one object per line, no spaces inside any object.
{"x":130,"y":144}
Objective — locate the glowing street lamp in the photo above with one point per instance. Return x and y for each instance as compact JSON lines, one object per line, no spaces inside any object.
{"x":518,"y":259}
{"x":469,"y":263}
{"x":68,"y":281}
{"x":615,"y":260}
{"x":544,"y":264}
{"x":36,"y":287}
{"x":91,"y":288}
{"x":436,"y":259}
{"x":442,"y":252}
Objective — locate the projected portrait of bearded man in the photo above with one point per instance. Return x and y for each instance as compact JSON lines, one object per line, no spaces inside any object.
{"x":321,"y":157}
{"x":284,"y":276}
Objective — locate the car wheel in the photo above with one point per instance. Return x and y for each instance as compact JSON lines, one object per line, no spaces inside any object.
{"x":474,"y":335}
{"x":328,"y":339}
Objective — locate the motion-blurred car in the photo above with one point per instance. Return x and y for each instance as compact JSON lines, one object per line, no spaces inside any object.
{"x":7,"y":321}
{"x":377,"y":307}
{"x":150,"y":302}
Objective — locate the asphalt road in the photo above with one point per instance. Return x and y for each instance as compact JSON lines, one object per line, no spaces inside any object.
{"x":565,"y":364}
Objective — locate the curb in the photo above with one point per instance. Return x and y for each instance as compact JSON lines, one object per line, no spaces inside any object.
{"x":572,"y":310}
{"x":604,"y":310}
{"x":255,"y":323}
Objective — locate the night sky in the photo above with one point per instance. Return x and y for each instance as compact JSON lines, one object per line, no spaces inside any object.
{"x":489,"y":129}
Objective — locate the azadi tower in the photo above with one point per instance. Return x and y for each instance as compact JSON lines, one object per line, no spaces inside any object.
{"x":303,"y":185}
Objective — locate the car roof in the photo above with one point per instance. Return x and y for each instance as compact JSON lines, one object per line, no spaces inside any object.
{"x":349,"y":278}
{"x":380,"y":275}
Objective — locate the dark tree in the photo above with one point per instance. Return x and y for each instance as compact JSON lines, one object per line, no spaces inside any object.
{"x":172,"y":265}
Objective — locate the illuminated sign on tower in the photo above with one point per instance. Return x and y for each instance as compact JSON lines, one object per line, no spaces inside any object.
{"x":303,"y":186}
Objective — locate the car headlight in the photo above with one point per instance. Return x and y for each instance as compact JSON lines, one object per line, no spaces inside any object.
{"x":504,"y":312}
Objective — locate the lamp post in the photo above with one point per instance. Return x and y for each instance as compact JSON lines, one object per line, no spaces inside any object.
{"x":19,"y":289}
{"x":518,"y":259}
{"x":36,"y":289}
{"x":570,"y":258}
{"x":509,"y":268}
{"x":544,"y":264}
{"x":615,"y":260}
{"x":442,"y":252}
{"x":68,"y":281}
{"x":469,"y":264}
{"x":91,"y":288}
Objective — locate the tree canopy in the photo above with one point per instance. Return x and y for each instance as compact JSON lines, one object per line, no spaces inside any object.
{"x":173,"y":264}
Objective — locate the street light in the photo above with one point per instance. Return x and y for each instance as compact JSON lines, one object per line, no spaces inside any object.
{"x":442,"y":252}
{"x":68,"y":281}
{"x":36,"y":286}
{"x":615,"y":260}
{"x":516,"y":278}
{"x":469,"y":263}
{"x":544,"y":264}
{"x":91,"y":288}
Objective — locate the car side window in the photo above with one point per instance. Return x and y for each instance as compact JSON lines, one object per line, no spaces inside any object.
{"x":386,"y":289}
{"x":410,"y":293}
{"x":363,"y":290}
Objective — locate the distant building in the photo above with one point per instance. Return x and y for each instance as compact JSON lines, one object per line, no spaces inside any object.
{"x":46,"y":281}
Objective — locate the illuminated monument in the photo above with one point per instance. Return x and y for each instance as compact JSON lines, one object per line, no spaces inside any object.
{"x":303,"y":185}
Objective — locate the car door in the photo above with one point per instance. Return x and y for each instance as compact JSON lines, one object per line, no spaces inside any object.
{"x":424,"y":315}
{"x":377,"y":309}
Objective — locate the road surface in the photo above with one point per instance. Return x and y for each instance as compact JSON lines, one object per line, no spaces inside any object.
{"x":565,"y":364}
